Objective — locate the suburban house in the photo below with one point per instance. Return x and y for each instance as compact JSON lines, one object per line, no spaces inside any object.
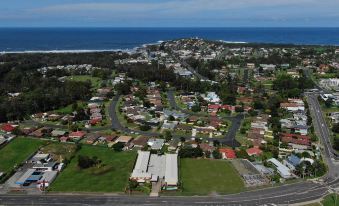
{"x":296,"y":141}
{"x":156,"y":144}
{"x":227,"y":153}
{"x":77,"y":135}
{"x":254,"y":151}
{"x":139,"y":142}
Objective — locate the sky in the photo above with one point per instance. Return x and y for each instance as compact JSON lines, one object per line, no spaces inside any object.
{"x":169,"y":13}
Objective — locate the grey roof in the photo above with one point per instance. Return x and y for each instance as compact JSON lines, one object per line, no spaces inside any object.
{"x":48,"y":176}
{"x":25,"y":176}
{"x":156,"y":144}
{"x":294,"y":160}
{"x":140,"y":168}
{"x":171,"y":173}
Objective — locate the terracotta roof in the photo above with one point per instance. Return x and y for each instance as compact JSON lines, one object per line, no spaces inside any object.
{"x":228,"y":153}
{"x":140,"y":141}
{"x":295,"y":139}
{"x":206,"y":147}
{"x":7,"y":127}
{"x":78,"y":134}
{"x":254,"y":151}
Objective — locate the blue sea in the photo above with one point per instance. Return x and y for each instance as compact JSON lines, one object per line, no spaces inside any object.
{"x":106,"y":39}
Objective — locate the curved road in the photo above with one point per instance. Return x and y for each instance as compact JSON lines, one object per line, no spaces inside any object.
{"x":228,"y":140}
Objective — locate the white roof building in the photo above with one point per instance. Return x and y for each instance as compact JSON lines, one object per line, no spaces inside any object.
{"x":140,"y":172}
{"x":152,"y":167}
{"x":171,"y":172}
{"x":283,"y":171}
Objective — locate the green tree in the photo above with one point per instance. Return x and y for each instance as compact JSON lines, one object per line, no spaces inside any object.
{"x":118,"y":146}
{"x":216,"y":154}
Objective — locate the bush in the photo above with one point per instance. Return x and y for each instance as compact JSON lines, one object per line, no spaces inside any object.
{"x":118,"y":146}
{"x":85,"y":162}
{"x":144,"y":127}
{"x":189,"y":152}
{"x":216,"y":154}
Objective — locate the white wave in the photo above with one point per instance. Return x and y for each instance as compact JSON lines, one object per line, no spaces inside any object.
{"x":69,"y":51}
{"x":233,"y":42}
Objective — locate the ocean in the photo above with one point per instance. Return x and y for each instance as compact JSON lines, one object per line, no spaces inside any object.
{"x":107,"y":39}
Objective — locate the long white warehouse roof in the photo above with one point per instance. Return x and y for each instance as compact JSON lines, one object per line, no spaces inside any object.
{"x":171,"y":172}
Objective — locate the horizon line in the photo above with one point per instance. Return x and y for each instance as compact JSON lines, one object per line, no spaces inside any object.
{"x":165,"y":27}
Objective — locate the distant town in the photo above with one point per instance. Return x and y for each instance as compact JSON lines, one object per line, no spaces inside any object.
{"x":187,"y":117}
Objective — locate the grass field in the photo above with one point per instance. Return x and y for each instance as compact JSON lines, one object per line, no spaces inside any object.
{"x":95,"y":81}
{"x":203,"y":176}
{"x":111,"y":177}
{"x":331,"y":200}
{"x":68,"y":109}
{"x":17,"y":151}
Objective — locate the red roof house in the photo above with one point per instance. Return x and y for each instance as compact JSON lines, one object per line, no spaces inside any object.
{"x":7,"y":127}
{"x":296,"y":139}
{"x":95,"y":121}
{"x":64,"y":139}
{"x":254,"y":151}
{"x":77,"y":135}
{"x":227,"y":153}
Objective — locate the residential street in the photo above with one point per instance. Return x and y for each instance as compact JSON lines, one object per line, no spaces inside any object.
{"x":323,"y":132}
{"x":228,"y":140}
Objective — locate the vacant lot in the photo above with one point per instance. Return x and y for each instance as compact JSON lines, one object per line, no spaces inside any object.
{"x":111,"y":176}
{"x":17,"y":152}
{"x":59,"y":151}
{"x":202,"y":177}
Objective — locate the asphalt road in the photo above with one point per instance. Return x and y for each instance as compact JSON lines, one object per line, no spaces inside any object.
{"x":228,"y":140}
{"x":284,"y":195}
{"x":321,"y":127}
{"x":194,"y":72}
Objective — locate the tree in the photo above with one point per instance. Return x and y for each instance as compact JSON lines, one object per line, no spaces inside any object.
{"x":118,"y":146}
{"x":328,"y":102}
{"x":132,"y":184}
{"x":335,"y":128}
{"x":216,"y":154}
{"x":198,"y":140}
{"x":190,"y":152}
{"x":196,"y":108}
{"x":216,"y":143}
{"x":145,"y":127}
{"x":123,"y":88}
{"x":242,"y":154}
{"x":85,"y":162}
{"x":168,"y":134}
{"x":171,"y":118}
{"x":336,"y":143}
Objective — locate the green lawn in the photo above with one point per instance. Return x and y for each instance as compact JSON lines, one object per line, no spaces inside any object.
{"x":17,"y":152}
{"x":68,"y":109}
{"x":112,"y":176}
{"x":203,"y":176}
{"x":330,"y":200}
{"x":95,"y":81}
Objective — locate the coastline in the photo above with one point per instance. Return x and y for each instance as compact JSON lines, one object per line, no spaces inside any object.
{"x":135,"y":48}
